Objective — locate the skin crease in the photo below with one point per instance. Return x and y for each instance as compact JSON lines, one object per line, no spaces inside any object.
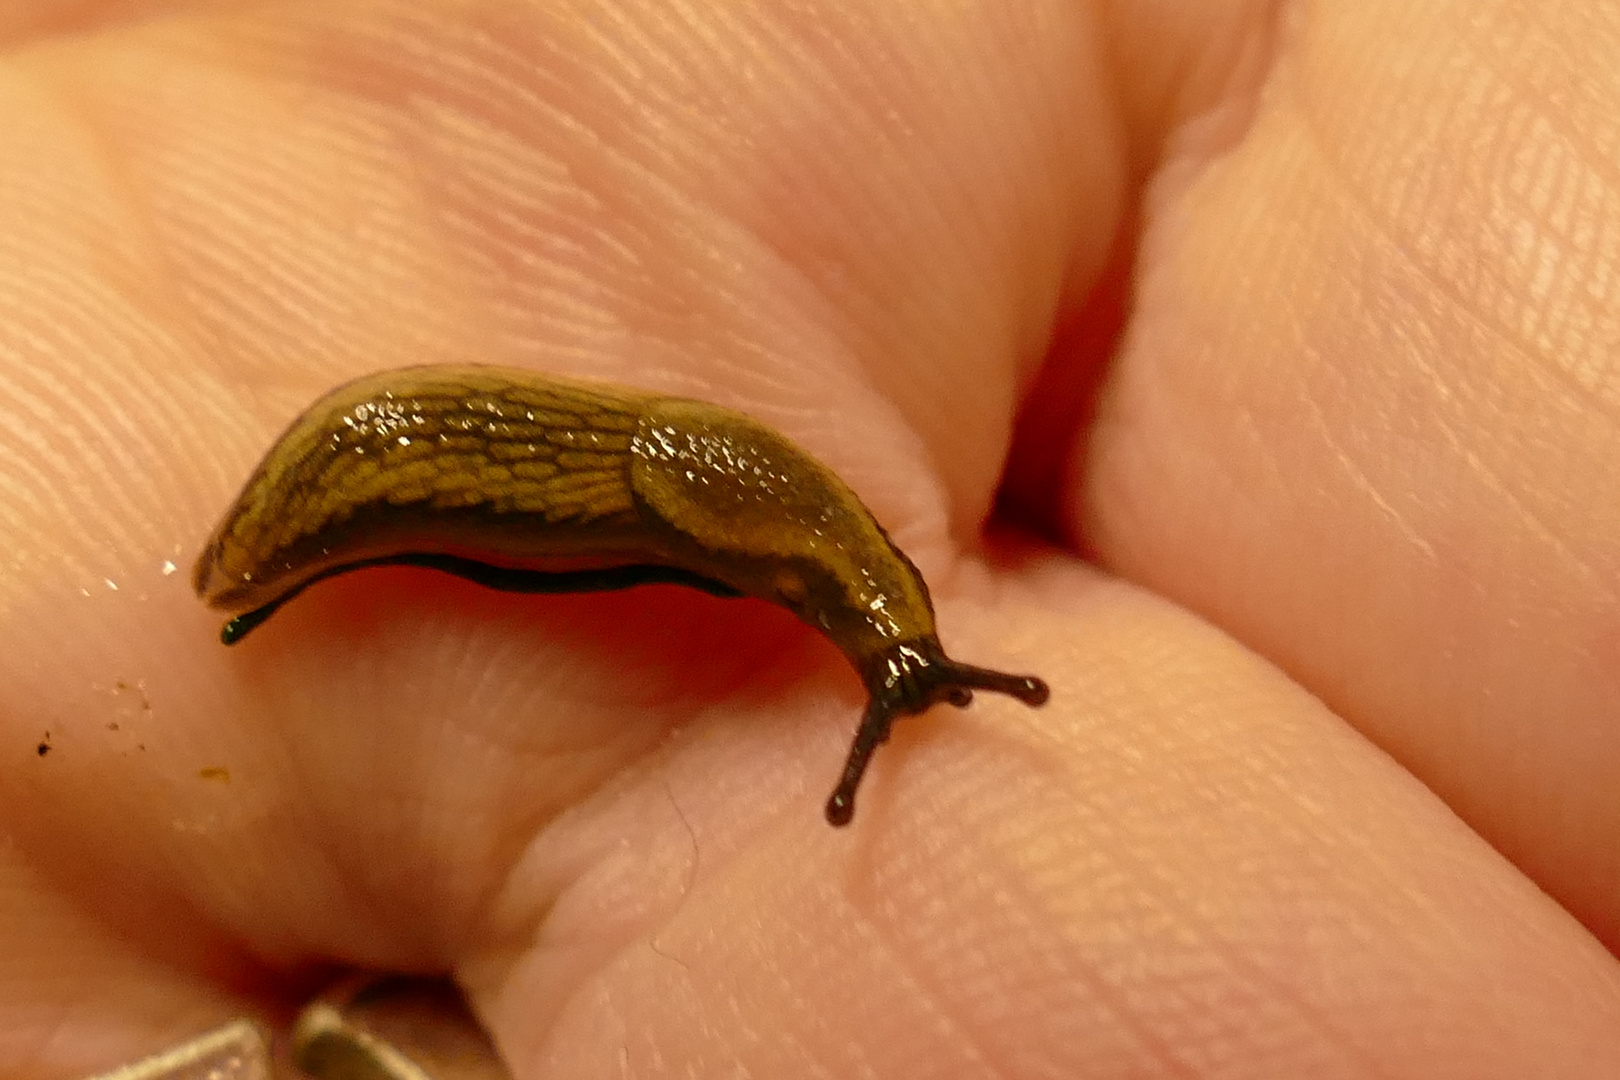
{"x":1326,"y":786}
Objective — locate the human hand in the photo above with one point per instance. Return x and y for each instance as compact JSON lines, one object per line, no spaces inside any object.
{"x":1346,"y":456}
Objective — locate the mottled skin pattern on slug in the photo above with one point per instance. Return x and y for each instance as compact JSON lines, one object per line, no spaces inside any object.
{"x":749,"y":508}
{"x":432,"y":459}
{"x":513,"y":479}
{"x":473,"y":461}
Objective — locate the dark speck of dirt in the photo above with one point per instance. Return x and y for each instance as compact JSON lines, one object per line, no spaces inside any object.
{"x":44,"y":746}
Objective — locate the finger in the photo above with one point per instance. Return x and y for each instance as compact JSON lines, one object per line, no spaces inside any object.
{"x":77,"y":996}
{"x":527,"y":217}
{"x":1184,"y":865}
{"x":214,"y":219}
{"x":23,"y":22}
{"x":1362,"y":417}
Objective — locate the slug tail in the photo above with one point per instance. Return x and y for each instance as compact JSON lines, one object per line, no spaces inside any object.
{"x":238,"y":628}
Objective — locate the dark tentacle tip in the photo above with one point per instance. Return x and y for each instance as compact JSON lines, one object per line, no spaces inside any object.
{"x":840,"y":808}
{"x":1032,"y":691}
{"x":872,"y":733}
{"x":961,"y":677}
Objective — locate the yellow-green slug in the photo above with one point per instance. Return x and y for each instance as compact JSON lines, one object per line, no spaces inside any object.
{"x":494,"y":475}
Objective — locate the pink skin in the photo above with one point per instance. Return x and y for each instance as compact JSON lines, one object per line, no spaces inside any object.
{"x":1327,"y":785}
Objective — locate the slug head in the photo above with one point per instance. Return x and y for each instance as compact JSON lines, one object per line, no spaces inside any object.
{"x":908,"y":679}
{"x":733,"y":500}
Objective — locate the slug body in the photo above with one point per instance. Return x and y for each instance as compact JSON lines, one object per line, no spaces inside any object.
{"x":502,"y":476}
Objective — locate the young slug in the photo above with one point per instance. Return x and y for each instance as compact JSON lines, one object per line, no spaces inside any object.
{"x":485,"y":473}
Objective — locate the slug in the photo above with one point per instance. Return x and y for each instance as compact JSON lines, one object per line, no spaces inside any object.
{"x":527,"y":483}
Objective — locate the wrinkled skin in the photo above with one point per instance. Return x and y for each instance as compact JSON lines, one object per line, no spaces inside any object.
{"x":1296,"y":320}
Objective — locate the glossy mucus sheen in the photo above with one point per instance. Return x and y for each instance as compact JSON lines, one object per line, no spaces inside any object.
{"x":534,"y":484}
